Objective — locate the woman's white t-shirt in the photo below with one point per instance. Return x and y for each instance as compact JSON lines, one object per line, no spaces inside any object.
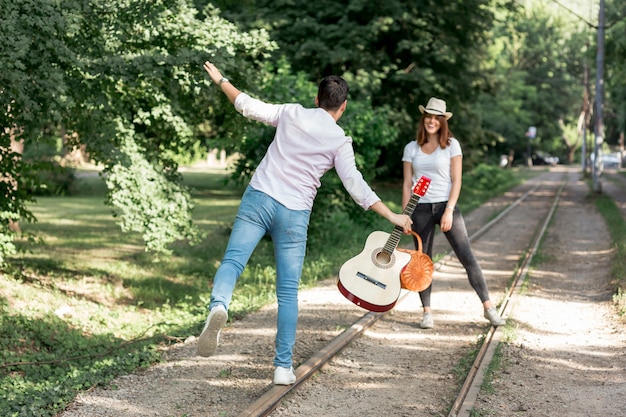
{"x":435,"y":166}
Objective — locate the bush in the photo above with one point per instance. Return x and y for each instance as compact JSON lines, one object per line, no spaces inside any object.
{"x":53,"y":179}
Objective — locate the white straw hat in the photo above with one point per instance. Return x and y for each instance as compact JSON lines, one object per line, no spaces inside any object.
{"x":435,"y":106}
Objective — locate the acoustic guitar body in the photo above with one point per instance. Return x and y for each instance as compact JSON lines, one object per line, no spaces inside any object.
{"x":371,"y":279}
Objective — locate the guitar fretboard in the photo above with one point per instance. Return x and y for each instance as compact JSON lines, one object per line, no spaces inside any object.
{"x":396,"y":235}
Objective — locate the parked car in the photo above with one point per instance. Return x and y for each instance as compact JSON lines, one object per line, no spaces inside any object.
{"x":544,"y":158}
{"x":612,"y":160}
{"x":538,"y":158}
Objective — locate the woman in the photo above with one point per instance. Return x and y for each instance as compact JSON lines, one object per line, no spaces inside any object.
{"x":437,"y":155}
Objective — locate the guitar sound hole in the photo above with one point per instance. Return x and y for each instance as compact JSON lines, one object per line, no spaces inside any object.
{"x":383,"y":258}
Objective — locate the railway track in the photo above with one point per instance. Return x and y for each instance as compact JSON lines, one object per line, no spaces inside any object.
{"x":561,"y":353}
{"x":505,"y":238}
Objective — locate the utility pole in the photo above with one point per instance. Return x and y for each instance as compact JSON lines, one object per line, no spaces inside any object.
{"x":531,"y":133}
{"x":585,"y":116}
{"x":598,"y":125}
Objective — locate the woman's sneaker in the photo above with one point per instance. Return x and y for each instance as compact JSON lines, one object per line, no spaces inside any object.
{"x":284,"y":376}
{"x":492,"y":315}
{"x":210,"y":336}
{"x":427,"y":321}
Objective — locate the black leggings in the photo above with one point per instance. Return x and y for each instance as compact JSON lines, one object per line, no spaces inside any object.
{"x":425,"y":217}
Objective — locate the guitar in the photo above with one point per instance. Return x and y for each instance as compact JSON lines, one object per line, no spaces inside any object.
{"x":372,"y":278}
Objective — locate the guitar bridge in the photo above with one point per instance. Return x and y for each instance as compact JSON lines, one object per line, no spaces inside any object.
{"x":371,"y":280}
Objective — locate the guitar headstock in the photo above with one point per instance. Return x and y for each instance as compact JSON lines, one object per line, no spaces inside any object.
{"x":422,"y":186}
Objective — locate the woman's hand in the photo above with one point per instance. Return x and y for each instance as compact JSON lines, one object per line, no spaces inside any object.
{"x":446,"y":220}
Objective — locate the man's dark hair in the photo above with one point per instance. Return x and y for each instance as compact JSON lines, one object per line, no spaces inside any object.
{"x":332,"y":92}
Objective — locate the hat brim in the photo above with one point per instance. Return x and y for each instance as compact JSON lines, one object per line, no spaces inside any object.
{"x":436,"y":113}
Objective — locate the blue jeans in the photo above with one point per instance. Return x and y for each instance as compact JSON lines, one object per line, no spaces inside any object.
{"x":258,"y":215}
{"x":425,"y":217}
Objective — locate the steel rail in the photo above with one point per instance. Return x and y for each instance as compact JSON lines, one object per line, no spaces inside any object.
{"x":464,"y":403}
{"x":270,"y":400}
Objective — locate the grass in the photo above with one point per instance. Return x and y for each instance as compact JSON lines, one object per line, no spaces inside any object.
{"x":617,"y":230}
{"x":90,"y":304}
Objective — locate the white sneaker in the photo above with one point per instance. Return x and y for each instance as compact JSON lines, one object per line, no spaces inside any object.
{"x":284,"y":376}
{"x":210,"y":336}
{"x":427,"y":321}
{"x":492,"y":315}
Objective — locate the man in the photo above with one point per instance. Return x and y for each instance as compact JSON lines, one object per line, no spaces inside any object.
{"x":278,"y":201}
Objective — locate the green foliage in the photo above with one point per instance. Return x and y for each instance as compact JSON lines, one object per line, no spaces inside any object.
{"x":113,"y":72}
{"x":45,"y":363}
{"x":153,"y":90}
{"x":32,"y":95}
{"x":52,"y":177}
{"x":150,"y":198}
{"x":536,"y":66}
{"x":121,"y":78}
{"x":613,"y":217}
{"x":395,"y":54}
{"x":14,"y":196}
{"x":110,"y":72}
{"x":33,"y":45}
{"x":615,"y":71}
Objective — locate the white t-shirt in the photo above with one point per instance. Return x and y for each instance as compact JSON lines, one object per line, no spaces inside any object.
{"x":435,"y":166}
{"x":308,"y":142}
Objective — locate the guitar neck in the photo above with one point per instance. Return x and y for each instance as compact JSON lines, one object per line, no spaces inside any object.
{"x":410,"y":206}
{"x":396,"y":235}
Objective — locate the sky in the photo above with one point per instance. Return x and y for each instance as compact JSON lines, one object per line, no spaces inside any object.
{"x":581,"y":10}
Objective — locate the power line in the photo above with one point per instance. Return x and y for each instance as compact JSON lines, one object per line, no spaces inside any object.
{"x":606,"y":26}
{"x":575,"y":14}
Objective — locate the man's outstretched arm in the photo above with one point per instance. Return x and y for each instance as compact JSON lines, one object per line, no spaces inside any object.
{"x":227,"y":87}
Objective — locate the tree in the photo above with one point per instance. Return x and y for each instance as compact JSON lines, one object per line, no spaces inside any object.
{"x":32,"y":44}
{"x":125,"y":80}
{"x":538,"y":67}
{"x":395,"y":54}
{"x":615,"y":74}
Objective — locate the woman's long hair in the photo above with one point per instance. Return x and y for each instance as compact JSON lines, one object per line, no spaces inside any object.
{"x":444,"y":131}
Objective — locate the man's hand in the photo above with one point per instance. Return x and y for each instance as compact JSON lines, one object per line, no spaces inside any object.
{"x":231,"y":91}
{"x":213,"y":72}
{"x":403,"y":221}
